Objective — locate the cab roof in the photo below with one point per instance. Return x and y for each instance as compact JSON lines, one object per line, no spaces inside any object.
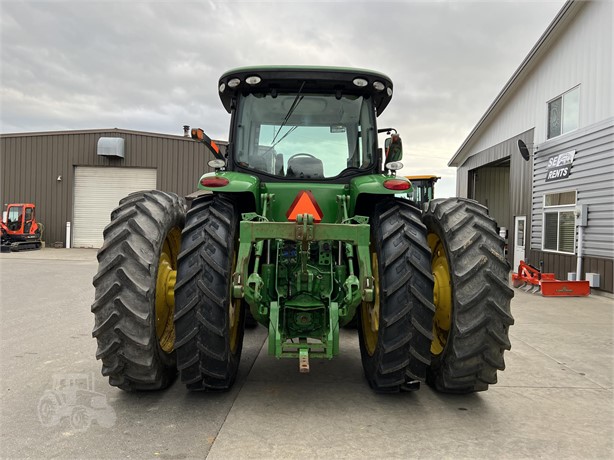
{"x":311,"y":79}
{"x":424,"y":177}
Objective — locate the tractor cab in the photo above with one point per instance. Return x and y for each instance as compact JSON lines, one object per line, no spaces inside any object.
{"x":310,"y":124}
{"x":299,"y":128}
{"x":422,"y":188}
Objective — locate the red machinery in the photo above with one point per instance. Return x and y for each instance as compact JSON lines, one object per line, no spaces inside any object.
{"x":535,"y":281}
{"x":20,"y":229}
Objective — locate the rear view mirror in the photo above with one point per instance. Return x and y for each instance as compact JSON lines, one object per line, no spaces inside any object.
{"x":394,"y":148}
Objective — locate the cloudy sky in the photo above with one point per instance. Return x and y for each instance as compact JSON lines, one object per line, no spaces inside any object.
{"x":154,"y":65}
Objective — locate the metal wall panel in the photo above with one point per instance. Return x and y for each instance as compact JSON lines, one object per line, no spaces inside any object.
{"x":30,"y":164}
{"x":592,"y":177}
{"x":579,"y":54}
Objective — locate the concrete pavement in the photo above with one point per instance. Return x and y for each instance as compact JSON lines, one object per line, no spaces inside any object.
{"x":555,"y":399}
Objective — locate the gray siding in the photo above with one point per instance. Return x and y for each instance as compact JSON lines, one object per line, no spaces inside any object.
{"x":520,"y":169}
{"x":30,"y":164}
{"x":592,"y":176}
{"x":577,"y":50}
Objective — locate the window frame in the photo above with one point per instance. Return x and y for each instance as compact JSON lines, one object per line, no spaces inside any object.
{"x":558,"y":209}
{"x":562,"y":97}
{"x":369,"y":140}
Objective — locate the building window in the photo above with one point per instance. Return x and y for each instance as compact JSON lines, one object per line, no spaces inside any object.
{"x":559,"y":222}
{"x":564,"y":113}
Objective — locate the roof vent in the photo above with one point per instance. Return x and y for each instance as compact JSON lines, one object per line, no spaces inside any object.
{"x":111,"y":147}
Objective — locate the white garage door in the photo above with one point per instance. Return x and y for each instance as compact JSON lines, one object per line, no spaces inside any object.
{"x":97,"y":193}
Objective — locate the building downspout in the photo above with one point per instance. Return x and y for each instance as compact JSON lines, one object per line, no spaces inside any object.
{"x":582,"y":219}
{"x":579,"y":262}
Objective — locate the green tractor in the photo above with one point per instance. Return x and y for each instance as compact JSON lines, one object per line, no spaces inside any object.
{"x":302,"y":232}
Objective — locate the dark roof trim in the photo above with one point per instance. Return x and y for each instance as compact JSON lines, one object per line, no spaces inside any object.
{"x":103,"y":131}
{"x":568,"y":11}
{"x":313,"y":79}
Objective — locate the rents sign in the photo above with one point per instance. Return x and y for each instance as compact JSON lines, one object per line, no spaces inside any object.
{"x":559,"y":166}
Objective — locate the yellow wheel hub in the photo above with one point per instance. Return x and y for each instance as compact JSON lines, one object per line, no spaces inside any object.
{"x":442,"y":295}
{"x":234,"y":314}
{"x":165,"y":287}
{"x":370,"y":311}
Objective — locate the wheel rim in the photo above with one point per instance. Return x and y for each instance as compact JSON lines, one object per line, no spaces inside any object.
{"x":371,"y":310}
{"x":47,"y":412}
{"x":165,"y":287}
{"x":234,"y":313}
{"x":79,"y":419}
{"x":442,"y":295}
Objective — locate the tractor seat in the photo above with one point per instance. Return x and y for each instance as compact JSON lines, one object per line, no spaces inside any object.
{"x":305,"y":166}
{"x":258,"y":162}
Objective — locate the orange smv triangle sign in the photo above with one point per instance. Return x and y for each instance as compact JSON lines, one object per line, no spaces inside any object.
{"x":305,"y":203}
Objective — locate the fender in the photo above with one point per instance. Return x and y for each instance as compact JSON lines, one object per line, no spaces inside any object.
{"x":373,"y":185}
{"x":237,"y":183}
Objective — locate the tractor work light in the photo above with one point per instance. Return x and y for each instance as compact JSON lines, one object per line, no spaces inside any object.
{"x":214,"y":182}
{"x":234,"y":83}
{"x":222,"y":87}
{"x":397,"y":184}
{"x":389,"y":91}
{"x":378,"y":86}
{"x":360,"y":82}
{"x":394,"y":165}
{"x":216,"y":164}
{"x":253,"y":80}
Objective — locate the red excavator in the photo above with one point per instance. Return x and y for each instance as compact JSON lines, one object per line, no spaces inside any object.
{"x":20,"y":229}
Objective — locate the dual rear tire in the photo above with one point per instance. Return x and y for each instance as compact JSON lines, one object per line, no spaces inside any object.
{"x":147,"y":326}
{"x":442,"y":308}
{"x":441,"y":311}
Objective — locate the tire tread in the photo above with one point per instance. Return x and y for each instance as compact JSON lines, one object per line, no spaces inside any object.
{"x":124,"y":325}
{"x":481,"y":297}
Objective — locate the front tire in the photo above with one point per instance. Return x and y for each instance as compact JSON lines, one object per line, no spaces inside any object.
{"x":80,"y":419}
{"x":472,"y":296}
{"x":49,"y":410}
{"x":209,"y":322}
{"x":395,"y":329}
{"x":133,"y":304}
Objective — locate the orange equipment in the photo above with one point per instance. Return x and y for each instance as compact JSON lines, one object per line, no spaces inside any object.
{"x":20,"y":229}
{"x":535,"y":281}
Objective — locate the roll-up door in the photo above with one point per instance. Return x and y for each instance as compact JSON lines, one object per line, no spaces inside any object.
{"x":97,"y":192}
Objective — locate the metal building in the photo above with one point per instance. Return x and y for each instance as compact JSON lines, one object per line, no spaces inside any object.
{"x":558,"y":205}
{"x":78,"y":177}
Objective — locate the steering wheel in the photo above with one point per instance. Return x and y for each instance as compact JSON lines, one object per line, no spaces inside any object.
{"x":309,"y":155}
